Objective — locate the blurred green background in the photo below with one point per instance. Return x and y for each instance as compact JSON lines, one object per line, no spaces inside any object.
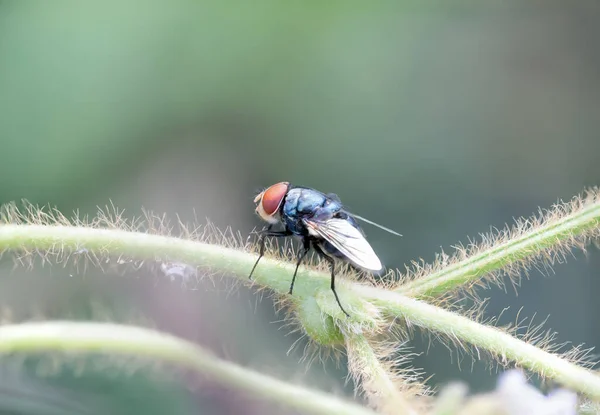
{"x":438,"y":119}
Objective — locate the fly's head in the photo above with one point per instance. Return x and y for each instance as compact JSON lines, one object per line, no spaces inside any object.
{"x":268,"y":202}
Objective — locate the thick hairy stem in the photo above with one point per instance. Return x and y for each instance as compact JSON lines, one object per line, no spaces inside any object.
{"x":62,"y":240}
{"x":568,"y":225}
{"x":126,"y":340}
{"x":502,"y":345}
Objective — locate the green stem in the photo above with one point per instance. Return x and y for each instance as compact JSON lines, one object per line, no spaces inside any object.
{"x":364,"y":303}
{"x":376,"y":381}
{"x":121,"y":339}
{"x":275,"y":274}
{"x":537,"y":241}
{"x":504,"y":346}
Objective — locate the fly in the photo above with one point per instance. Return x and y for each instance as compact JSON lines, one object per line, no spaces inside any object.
{"x":321,"y":222}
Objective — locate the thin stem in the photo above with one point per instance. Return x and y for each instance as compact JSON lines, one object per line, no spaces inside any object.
{"x":376,"y":382}
{"x":557,"y":231}
{"x":122,"y":339}
{"x":495,"y":341}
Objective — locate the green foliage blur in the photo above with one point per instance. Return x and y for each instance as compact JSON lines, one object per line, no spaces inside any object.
{"x":437,"y":119}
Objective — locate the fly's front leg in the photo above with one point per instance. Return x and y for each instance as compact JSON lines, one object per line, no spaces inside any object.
{"x":301,"y":255}
{"x":262,"y":241}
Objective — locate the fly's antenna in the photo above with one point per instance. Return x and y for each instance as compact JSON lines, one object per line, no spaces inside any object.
{"x":374,"y":224}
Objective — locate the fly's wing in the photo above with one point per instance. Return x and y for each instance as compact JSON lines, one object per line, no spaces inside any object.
{"x":347,"y":239}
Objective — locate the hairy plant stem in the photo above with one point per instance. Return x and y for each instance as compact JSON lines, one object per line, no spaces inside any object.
{"x":275,"y":274}
{"x":364,"y":303}
{"x":375,"y":380}
{"x":527,"y":245}
{"x":121,"y":339}
{"x":507,"y":348}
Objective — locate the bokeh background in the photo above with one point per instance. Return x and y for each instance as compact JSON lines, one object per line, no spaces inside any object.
{"x":438,"y":119}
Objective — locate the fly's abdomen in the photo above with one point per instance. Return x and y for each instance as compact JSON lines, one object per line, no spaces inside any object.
{"x":331,"y":251}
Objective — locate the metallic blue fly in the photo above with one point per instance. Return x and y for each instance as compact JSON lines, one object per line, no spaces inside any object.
{"x":320,"y":221}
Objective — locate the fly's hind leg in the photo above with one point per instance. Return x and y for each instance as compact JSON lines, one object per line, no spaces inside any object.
{"x":301,"y":255}
{"x":332,"y":265}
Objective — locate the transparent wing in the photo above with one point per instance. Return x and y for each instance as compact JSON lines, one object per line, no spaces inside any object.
{"x":348,"y":240}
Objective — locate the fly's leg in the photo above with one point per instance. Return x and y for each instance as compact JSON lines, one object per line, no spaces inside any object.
{"x":263,"y":239}
{"x":332,"y":264}
{"x":261,"y":252}
{"x":301,"y":255}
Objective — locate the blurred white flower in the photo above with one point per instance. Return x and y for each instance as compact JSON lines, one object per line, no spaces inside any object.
{"x":512,"y":396}
{"x":520,"y":398}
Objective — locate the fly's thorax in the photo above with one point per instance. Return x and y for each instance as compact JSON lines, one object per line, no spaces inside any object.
{"x":307,"y":202}
{"x":310,"y":201}
{"x":300,"y":203}
{"x":290,"y":206}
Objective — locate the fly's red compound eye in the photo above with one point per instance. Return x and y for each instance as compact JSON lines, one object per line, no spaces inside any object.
{"x":273,"y":196}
